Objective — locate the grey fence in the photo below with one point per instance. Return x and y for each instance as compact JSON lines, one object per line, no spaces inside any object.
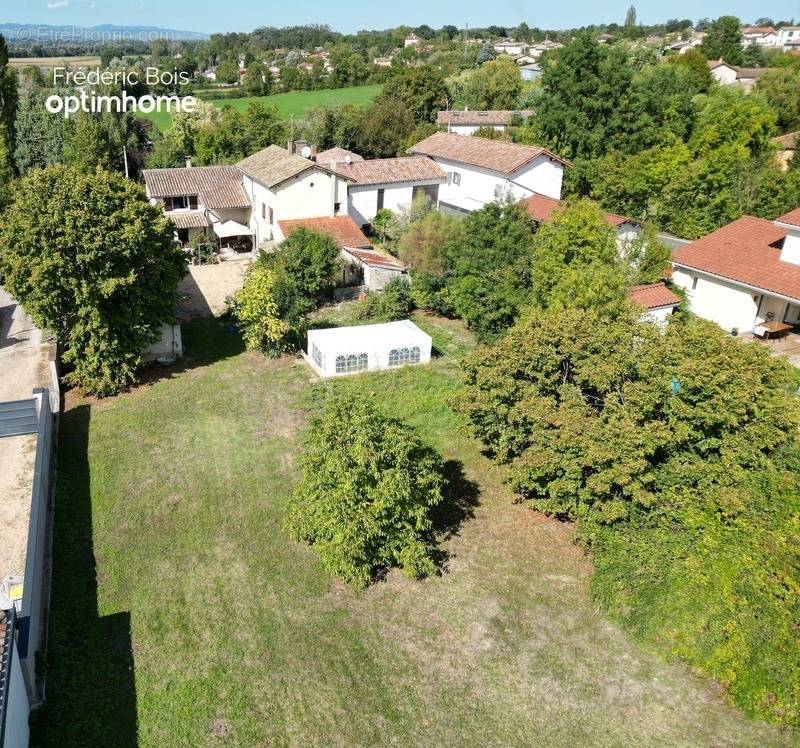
{"x":32,"y":620}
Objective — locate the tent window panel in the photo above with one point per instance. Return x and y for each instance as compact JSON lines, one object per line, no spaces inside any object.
{"x":401,"y":356}
{"x":316,"y":355}
{"x":351,"y":362}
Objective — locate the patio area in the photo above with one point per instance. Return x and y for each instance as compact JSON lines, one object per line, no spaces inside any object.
{"x":784,"y":345}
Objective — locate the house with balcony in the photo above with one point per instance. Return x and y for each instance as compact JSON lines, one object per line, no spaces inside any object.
{"x":479,"y":171}
{"x":745,"y":276}
{"x":201,"y":201}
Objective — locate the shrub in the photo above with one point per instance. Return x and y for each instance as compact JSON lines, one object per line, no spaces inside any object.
{"x":258,"y":314}
{"x":367,"y":486}
{"x":394,"y":302}
{"x":91,"y":260}
{"x":280,"y":289}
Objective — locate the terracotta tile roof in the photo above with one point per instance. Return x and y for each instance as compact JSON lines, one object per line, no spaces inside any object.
{"x":273,"y":165}
{"x":495,"y":155}
{"x":792,"y":217}
{"x":189,"y":219}
{"x":652,"y":296}
{"x":217,"y":186}
{"x":342,"y":229}
{"x":540,"y":208}
{"x":375,"y":259}
{"x":788,"y":141}
{"x":747,"y":251}
{"x":489,"y":117}
{"x":391,"y":170}
{"x":336,"y":155}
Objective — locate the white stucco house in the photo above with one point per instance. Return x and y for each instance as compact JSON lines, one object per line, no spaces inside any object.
{"x":467,"y":122}
{"x":511,"y":47}
{"x":788,"y":37}
{"x":762,"y":36}
{"x":339,"y":351}
{"x":480,"y":171}
{"x":281,"y":185}
{"x":391,"y":183}
{"x":745,"y":274}
{"x":540,"y":208}
{"x":728,"y":75}
{"x":657,"y":301}
{"x":200,"y":199}
{"x":364,"y":265}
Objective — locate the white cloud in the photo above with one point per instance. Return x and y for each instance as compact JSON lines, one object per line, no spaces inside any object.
{"x":59,"y":4}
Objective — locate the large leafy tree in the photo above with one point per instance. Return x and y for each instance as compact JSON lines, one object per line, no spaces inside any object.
{"x":494,"y":85}
{"x":575,"y":261}
{"x":280,"y":289}
{"x":488,"y":267}
{"x":676,"y":451}
{"x":98,"y":267}
{"x":367,"y":486}
{"x":39,"y":135}
{"x":584,"y":85}
{"x":384,"y":127}
{"x":8,"y":95}
{"x":421,"y":90}
{"x":723,"y":40}
{"x":781,"y":89}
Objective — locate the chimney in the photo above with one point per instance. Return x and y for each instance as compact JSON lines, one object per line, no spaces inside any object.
{"x":188,"y":163}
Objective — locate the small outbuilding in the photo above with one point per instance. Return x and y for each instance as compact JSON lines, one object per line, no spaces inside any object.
{"x":335,"y":351}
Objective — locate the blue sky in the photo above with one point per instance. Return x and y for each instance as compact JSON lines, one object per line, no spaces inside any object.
{"x":350,"y":15}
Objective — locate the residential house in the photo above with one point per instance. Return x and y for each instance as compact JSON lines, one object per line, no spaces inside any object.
{"x":382,"y":62}
{"x":467,"y":122}
{"x":282,"y":185}
{"x":530,"y":72}
{"x":365,"y":266}
{"x":201,"y":201}
{"x":788,"y":37}
{"x":727,"y":75}
{"x":540,"y":208}
{"x":411,"y":40}
{"x":658,"y":301}
{"x":762,"y":36}
{"x":391,"y":183}
{"x":744,"y":275}
{"x":787,"y":145}
{"x":537,"y":50}
{"x":479,"y":170}
{"x":511,"y":47}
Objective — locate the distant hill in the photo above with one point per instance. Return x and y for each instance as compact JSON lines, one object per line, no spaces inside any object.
{"x":48,"y":34}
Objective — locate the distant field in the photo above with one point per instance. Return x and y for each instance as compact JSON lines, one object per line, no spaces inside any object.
{"x":52,"y":62}
{"x":296,"y":102}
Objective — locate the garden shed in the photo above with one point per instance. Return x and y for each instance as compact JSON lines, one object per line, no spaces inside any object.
{"x":336,"y":351}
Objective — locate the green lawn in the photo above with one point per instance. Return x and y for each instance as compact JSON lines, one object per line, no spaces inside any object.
{"x":295,"y":103}
{"x":182,"y":615}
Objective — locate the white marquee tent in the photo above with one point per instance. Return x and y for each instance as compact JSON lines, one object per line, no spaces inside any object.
{"x":346,"y":350}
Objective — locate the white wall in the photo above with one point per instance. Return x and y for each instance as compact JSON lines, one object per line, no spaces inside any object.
{"x":16,"y":735}
{"x":724,"y":75}
{"x":378,"y":354}
{"x":308,"y":195}
{"x":477,"y":185}
{"x":658,"y":316}
{"x":470,"y":129}
{"x":362,"y":202}
{"x":168,"y":344}
{"x":729,"y":305}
